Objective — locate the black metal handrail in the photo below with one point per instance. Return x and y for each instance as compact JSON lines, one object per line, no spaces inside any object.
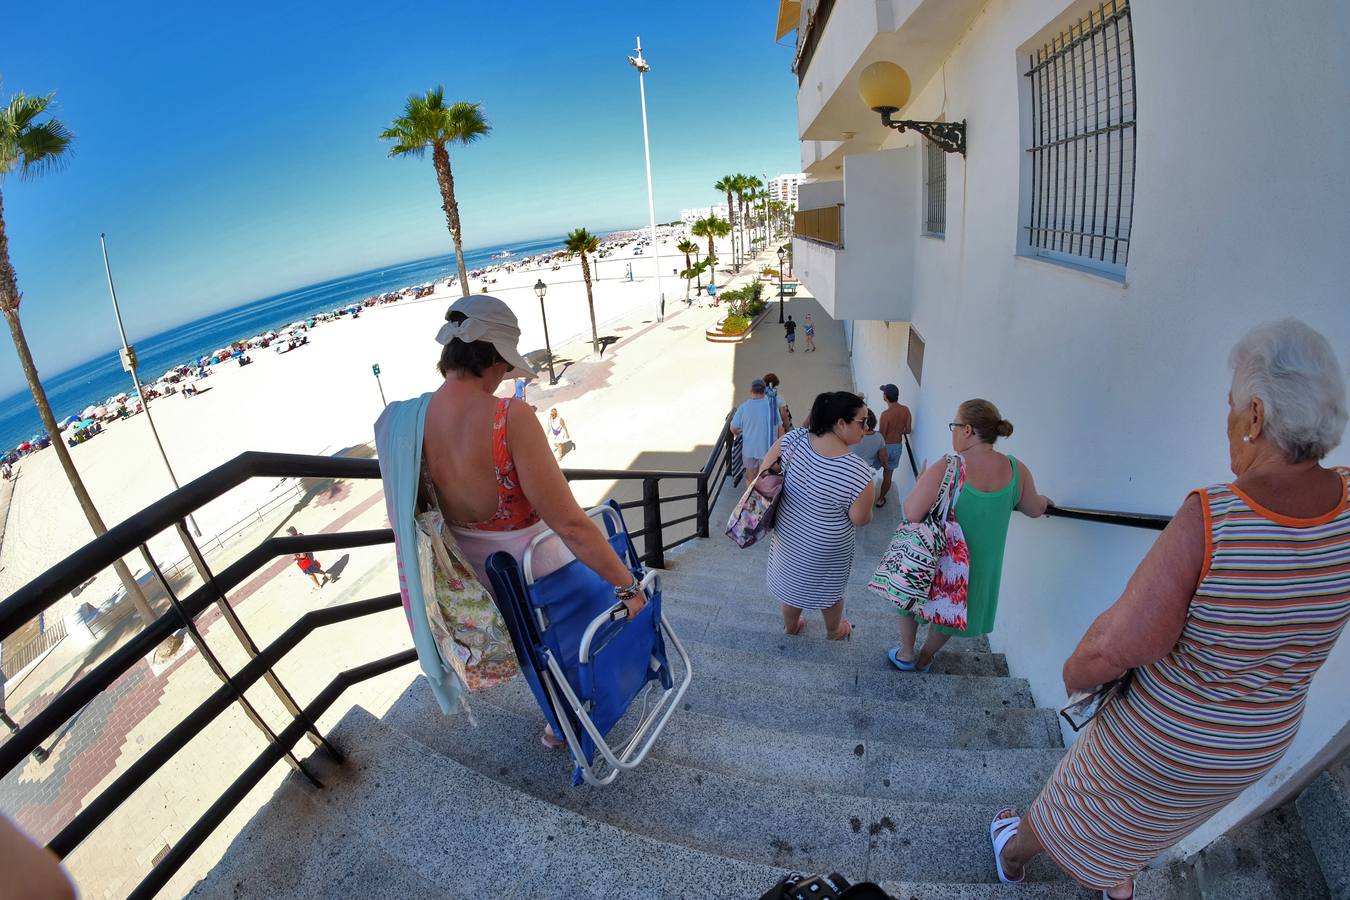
{"x":722,"y":461}
{"x":172,"y":511}
{"x":1111,"y":517}
{"x":132,"y":534}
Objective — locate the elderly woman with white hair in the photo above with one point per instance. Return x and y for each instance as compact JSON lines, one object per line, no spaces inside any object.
{"x":1222,"y":627}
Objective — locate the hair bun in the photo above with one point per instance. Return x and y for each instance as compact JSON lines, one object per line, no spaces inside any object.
{"x":1004,"y":428}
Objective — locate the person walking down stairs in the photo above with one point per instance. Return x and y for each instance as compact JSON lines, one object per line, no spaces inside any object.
{"x":1215,"y":641}
{"x":994,"y":486}
{"x":827,"y":496}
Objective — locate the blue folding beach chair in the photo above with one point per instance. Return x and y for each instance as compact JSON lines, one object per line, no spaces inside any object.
{"x":585,"y":659}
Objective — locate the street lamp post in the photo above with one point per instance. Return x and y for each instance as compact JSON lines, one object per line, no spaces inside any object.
{"x":129,"y":363}
{"x":782,"y":260}
{"x":540,"y":289}
{"x":639,"y":63}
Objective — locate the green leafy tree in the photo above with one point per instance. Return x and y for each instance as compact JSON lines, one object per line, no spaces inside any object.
{"x":711,"y":227}
{"x":428,"y":123}
{"x":581,"y":242}
{"x":32,"y":145}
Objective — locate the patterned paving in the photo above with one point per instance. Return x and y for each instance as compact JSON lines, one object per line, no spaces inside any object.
{"x":43,"y":796}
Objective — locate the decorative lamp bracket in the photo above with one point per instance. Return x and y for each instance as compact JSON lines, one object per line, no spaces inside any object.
{"x":950,"y":136}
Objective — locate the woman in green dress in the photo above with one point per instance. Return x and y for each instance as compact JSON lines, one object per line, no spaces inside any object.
{"x":995,"y":485}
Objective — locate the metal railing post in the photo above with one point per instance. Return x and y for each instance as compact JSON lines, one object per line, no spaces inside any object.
{"x":654,"y":555}
{"x":216,"y":667}
{"x":703,"y":505}
{"x":250,"y":648}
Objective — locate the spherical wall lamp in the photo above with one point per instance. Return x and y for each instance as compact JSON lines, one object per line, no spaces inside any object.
{"x":885,"y":89}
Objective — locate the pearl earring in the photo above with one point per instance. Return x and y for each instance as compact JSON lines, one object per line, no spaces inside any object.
{"x":1246,"y":439}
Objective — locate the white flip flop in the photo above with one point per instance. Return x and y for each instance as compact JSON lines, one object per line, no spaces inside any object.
{"x":1002,"y":830}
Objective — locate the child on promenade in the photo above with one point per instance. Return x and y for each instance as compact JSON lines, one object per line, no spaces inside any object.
{"x":308,"y":564}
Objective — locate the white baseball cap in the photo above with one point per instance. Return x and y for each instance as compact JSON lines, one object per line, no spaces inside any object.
{"x":487,"y":319}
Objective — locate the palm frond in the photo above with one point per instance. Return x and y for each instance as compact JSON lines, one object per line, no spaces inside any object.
{"x":32,"y":147}
{"x":427,"y":121}
{"x":579,"y":240}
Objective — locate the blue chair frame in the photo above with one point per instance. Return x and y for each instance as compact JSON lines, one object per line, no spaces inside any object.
{"x":584,"y":659}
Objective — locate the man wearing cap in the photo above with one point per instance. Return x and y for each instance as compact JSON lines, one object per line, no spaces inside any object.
{"x":896,"y":421}
{"x":754,"y":422}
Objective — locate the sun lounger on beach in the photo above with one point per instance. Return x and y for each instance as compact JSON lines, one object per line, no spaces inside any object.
{"x":585,"y":660}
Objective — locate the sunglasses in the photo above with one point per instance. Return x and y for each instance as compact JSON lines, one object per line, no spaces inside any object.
{"x":952,"y":426}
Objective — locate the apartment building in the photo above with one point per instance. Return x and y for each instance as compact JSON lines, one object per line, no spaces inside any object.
{"x":783,"y":188}
{"x":1075,"y":210}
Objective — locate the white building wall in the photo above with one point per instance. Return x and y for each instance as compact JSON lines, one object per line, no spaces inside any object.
{"x":1118,"y":390}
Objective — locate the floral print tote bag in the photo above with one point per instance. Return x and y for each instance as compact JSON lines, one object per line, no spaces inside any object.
{"x":909,"y":567}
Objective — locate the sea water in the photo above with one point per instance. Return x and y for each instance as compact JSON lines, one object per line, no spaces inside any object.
{"x":92,"y":382}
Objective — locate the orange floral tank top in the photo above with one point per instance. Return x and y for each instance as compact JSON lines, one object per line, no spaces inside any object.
{"x":513,"y":508}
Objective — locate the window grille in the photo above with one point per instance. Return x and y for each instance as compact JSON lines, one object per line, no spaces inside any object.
{"x":935,"y":190}
{"x":1082,"y":141}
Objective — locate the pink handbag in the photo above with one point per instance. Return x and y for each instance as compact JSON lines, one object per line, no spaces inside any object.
{"x":757,"y":510}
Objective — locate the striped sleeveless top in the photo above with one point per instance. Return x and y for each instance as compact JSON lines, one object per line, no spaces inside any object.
{"x":1203,"y":723}
{"x":1273,"y":598}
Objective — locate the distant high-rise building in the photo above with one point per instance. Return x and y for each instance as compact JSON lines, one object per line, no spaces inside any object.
{"x":783,"y":188}
{"x":690,"y":216}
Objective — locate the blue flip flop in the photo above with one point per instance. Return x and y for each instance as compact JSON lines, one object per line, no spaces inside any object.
{"x":893,"y":655}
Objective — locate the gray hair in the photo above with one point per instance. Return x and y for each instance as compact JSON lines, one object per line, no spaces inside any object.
{"x":1294,"y":372}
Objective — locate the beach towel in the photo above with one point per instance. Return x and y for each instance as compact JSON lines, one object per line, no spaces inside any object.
{"x":398,"y":441}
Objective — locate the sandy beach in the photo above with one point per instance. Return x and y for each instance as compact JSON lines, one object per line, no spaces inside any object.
{"x":322,"y":398}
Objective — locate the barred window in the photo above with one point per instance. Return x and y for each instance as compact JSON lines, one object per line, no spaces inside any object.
{"x":935,"y":190}
{"x":1081,"y":142}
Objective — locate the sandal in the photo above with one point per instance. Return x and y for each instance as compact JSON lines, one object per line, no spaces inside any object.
{"x":903,"y":665}
{"x":1000,"y":832}
{"x":844,"y":633}
{"x":881,"y":503}
{"x":550,"y":740}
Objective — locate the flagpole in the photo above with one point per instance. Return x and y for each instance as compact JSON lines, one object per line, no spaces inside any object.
{"x":641,"y":65}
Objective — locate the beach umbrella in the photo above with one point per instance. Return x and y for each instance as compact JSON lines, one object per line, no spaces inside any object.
{"x":100,"y":412}
{"x":89,"y":412}
{"x":67,"y":421}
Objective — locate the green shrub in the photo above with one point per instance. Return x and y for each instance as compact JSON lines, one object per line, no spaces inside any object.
{"x":735,"y":324}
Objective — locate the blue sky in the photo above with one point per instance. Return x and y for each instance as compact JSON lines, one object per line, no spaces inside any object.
{"x":230,"y":151}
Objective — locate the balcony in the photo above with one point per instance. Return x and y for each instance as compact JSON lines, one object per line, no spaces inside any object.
{"x":823,"y":225}
{"x":873,"y":277}
{"x":839,"y":39}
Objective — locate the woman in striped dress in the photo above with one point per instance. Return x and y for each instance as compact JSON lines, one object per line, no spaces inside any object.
{"x":827,"y":494}
{"x":1224,"y":624}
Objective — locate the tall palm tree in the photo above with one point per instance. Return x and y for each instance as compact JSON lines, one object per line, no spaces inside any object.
{"x":727,"y":185}
{"x":581,"y":242}
{"x":711,"y":227}
{"x":744,"y":185}
{"x":428,"y":122}
{"x":32,"y":148}
{"x":686,"y":247}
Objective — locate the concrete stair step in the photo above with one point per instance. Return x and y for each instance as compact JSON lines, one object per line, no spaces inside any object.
{"x":830,"y":763}
{"x":1324,"y":808}
{"x":776,"y":825}
{"x":909,"y":724}
{"x":846,"y":677}
{"x":864,"y":650}
{"x":735,"y":603}
{"x":420,"y":824}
